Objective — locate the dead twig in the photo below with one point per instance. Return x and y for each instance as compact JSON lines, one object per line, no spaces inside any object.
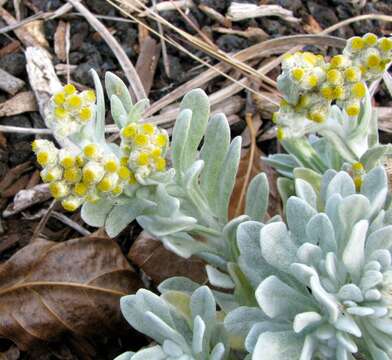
{"x":69,"y":222}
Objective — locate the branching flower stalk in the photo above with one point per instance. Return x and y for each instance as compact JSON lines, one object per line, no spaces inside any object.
{"x":314,"y":285}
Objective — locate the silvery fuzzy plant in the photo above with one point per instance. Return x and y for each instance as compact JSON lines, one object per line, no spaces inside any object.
{"x":184,"y":205}
{"x":185,"y":326}
{"x":323,"y":281}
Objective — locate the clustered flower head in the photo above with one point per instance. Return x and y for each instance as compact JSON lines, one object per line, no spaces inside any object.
{"x":310,"y":84}
{"x":143,"y":147}
{"x":89,"y":175}
{"x":70,"y":110}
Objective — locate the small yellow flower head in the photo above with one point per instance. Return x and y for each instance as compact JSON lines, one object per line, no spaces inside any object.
{"x":310,"y":58}
{"x":43,"y":158}
{"x":327,"y":92}
{"x":143,"y":159}
{"x":357,"y":167}
{"x":385,"y":44}
{"x":91,"y":151}
{"x":58,"y":189}
{"x":66,"y":159}
{"x":71,"y":203}
{"x":80,"y":189}
{"x":161,"y":140}
{"x":141,"y":140}
{"x":89,"y":96}
{"x":59,"y":98}
{"x":72,"y":175}
{"x":45,"y":151}
{"x":93,"y":172}
{"x":74,"y":101}
{"x":107,"y":184}
{"x":317,"y":116}
{"x":148,"y":129}
{"x":358,"y":90}
{"x":370,"y":39}
{"x":339,"y":92}
{"x":124,"y":173}
{"x":352,"y":74}
{"x":373,"y":60}
{"x":160,"y":164}
{"x":334,"y":77}
{"x":60,"y":113}
{"x":353,"y":108}
{"x":54,"y":173}
{"x":338,"y":61}
{"x":312,"y":80}
{"x":356,"y":43}
{"x":69,"y":89}
{"x":129,"y":131}
{"x":156,"y":152}
{"x":85,"y":114}
{"x":297,"y":73}
{"x":111,"y":165}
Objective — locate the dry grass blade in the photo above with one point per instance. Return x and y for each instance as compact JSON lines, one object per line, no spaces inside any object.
{"x":176,"y":44}
{"x":201,"y":44}
{"x":129,"y":70}
{"x":264,"y":49}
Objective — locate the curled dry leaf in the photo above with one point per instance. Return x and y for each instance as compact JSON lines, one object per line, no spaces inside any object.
{"x":160,"y":264}
{"x":48,"y":289}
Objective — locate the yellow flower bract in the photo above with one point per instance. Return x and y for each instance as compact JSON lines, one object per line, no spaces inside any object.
{"x":358,"y":90}
{"x":90,"y":151}
{"x":298,"y":73}
{"x":80,"y":189}
{"x":85,"y":114}
{"x":69,"y":89}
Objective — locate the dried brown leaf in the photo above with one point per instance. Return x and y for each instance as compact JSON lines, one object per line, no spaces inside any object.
{"x":159,"y":264}
{"x":48,"y":289}
{"x":20,"y":103}
{"x":36,"y":29}
{"x":60,"y":41}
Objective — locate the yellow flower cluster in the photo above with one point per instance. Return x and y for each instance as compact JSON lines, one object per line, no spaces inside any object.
{"x":70,"y":110}
{"x":370,"y":54}
{"x":310,"y":85}
{"x":143,"y":147}
{"x":87,"y":176}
